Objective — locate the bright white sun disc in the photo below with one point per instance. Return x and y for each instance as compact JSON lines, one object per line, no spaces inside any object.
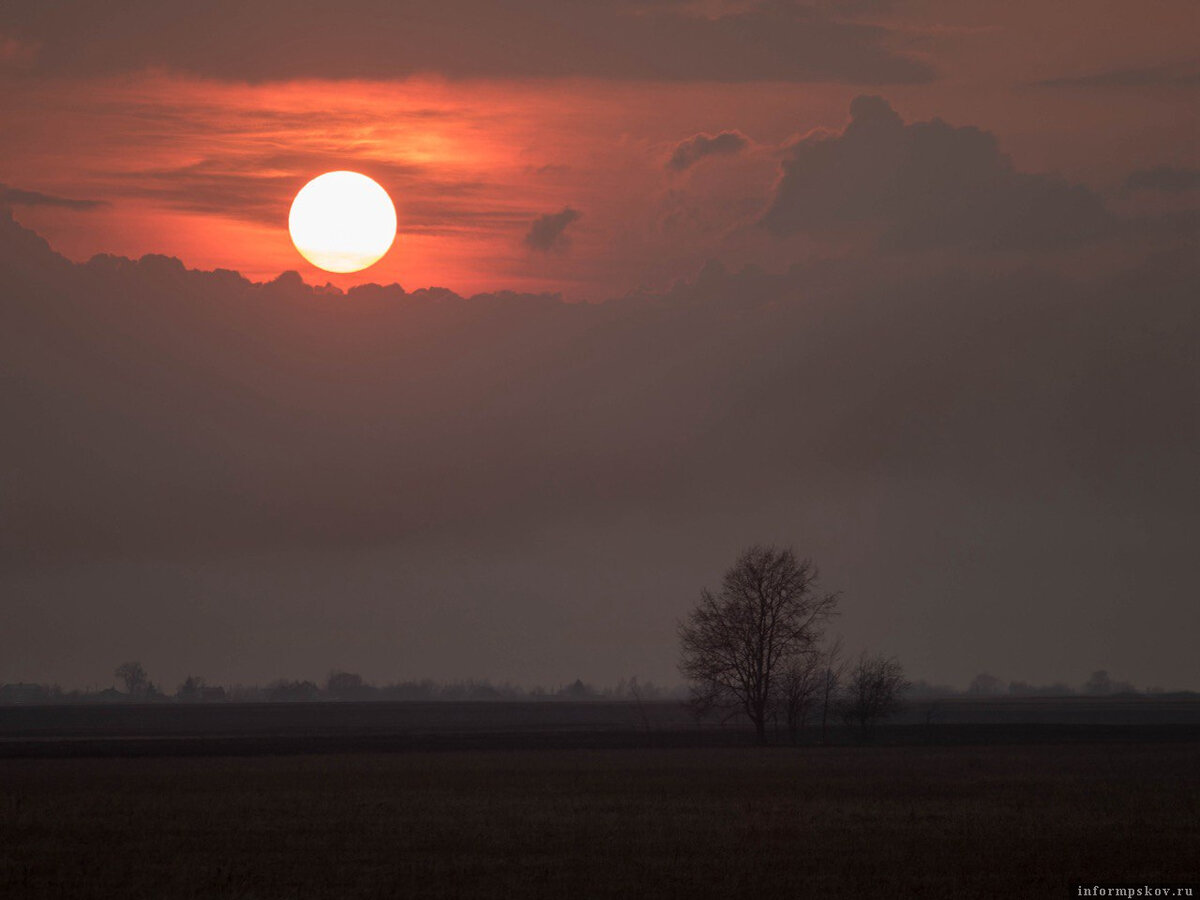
{"x":342,"y":222}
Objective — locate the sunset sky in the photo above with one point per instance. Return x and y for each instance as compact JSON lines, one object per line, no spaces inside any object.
{"x":187,"y":129}
{"x":909,"y":284}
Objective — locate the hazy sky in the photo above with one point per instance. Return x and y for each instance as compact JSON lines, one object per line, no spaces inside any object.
{"x":909,"y":285}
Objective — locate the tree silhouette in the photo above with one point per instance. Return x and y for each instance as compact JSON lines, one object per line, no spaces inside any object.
{"x":285,"y":691}
{"x":806,"y":681}
{"x":831,"y":679}
{"x":192,"y":690}
{"x":137,"y":682}
{"x":736,"y":644}
{"x":873,"y":693}
{"x":345,"y":685}
{"x":798,"y":688}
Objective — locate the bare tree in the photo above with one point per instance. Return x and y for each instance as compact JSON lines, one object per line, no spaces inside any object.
{"x":735,"y":643}
{"x":799,"y":688}
{"x":873,"y":692}
{"x":137,"y":682}
{"x":830,"y":680}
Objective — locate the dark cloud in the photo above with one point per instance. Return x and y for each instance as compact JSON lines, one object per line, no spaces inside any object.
{"x":549,"y":232}
{"x":694,"y":149}
{"x":17,"y":197}
{"x":253,"y":480}
{"x":1184,"y":74}
{"x":1168,"y":179}
{"x":459,"y":38}
{"x":926,"y":184}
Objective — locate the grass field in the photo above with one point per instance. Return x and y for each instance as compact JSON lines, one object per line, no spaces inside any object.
{"x":907,"y":821}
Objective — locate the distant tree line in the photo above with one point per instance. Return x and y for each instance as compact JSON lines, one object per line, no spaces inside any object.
{"x":1099,"y":684}
{"x":810,"y":694}
{"x":340,"y":685}
{"x":756,"y":649}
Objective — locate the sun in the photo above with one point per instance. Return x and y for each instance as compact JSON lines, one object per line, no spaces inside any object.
{"x":342,"y":222}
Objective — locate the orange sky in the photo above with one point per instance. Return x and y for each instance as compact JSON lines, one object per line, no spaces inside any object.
{"x":204,"y":168}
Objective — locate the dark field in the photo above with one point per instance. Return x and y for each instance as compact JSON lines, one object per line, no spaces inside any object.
{"x":287,"y":728}
{"x":909,"y":821}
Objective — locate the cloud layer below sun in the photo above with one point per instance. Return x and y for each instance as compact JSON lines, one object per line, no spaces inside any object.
{"x":425,"y":485}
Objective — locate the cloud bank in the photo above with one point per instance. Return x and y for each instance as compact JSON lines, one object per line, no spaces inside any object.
{"x":926,"y":184}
